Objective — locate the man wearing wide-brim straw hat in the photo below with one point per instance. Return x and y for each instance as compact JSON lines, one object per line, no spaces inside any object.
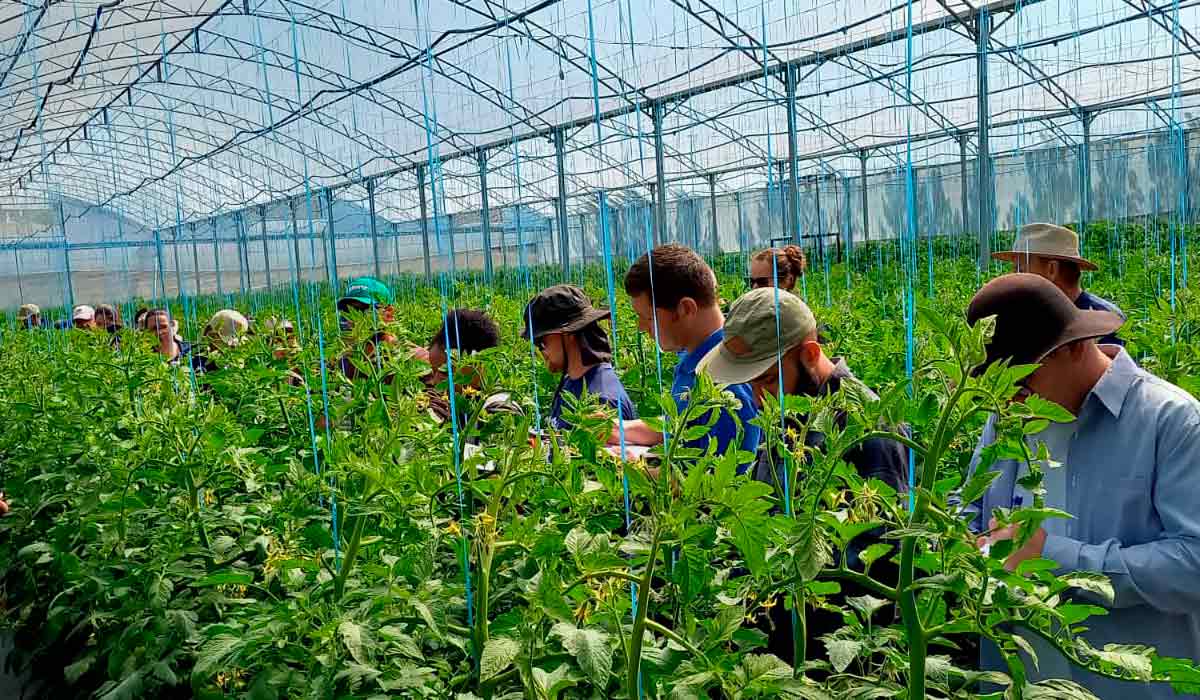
{"x":1053,"y":252}
{"x":1128,"y":473}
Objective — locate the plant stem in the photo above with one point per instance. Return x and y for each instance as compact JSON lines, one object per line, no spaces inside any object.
{"x":339,"y":584}
{"x":634,"y":663}
{"x":917,"y":643}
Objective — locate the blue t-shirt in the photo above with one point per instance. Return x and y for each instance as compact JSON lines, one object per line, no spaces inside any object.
{"x":725,"y":429}
{"x":602,"y":382}
{"x":1091,"y":302}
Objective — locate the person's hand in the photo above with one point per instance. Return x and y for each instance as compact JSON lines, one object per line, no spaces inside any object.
{"x":3,"y":504}
{"x":417,"y":352}
{"x":1032,"y":549}
{"x":614,"y":435}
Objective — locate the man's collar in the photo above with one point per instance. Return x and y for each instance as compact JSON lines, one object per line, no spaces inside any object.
{"x":689,"y":360}
{"x":1114,"y":385}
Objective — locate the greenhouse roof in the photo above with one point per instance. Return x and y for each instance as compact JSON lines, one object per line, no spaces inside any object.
{"x":173,"y":111}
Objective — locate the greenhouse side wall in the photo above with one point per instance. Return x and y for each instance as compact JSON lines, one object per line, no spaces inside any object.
{"x":113,"y":258}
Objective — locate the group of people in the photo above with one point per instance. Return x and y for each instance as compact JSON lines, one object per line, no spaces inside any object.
{"x":1128,"y":458}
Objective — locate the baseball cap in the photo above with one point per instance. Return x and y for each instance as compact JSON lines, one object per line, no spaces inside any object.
{"x":27,"y":311}
{"x":754,"y":339}
{"x":228,"y":325}
{"x":366,"y":290}
{"x":83,"y":312}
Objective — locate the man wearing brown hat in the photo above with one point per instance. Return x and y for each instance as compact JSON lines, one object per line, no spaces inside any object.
{"x":1128,"y":473}
{"x":566,"y":329}
{"x":1053,"y":252}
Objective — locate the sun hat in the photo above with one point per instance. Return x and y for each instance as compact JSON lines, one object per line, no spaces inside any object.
{"x":563,"y":308}
{"x":1047,"y":241}
{"x":755,"y":337}
{"x":1033,"y":318}
{"x":368,"y":291}
{"x":228,"y":326}
{"x":83,"y":312}
{"x":27,"y":311}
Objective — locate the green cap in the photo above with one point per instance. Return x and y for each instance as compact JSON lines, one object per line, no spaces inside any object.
{"x":754,"y":338}
{"x":367,"y":290}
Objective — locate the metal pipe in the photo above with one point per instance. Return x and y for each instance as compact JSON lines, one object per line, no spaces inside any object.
{"x":374,"y":227}
{"x":983,"y":157}
{"x":485,"y":216}
{"x":296,"y":239}
{"x":262,"y":213}
{"x":424,"y":221}
{"x":862,"y":181}
{"x":331,"y":240}
{"x":195,"y":259}
{"x":1085,"y":173}
{"x":660,"y":228}
{"x":793,"y":208}
{"x":564,"y":243}
{"x":712,"y":203}
{"x":217,"y":258}
{"x":962,"y":176}
{"x":66,"y":247}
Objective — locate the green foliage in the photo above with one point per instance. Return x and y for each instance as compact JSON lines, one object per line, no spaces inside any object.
{"x":176,"y":537}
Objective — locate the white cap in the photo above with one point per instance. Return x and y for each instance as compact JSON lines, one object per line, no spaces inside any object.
{"x":83,"y":312}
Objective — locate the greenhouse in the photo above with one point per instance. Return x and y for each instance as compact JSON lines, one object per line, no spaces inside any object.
{"x":631,"y":349}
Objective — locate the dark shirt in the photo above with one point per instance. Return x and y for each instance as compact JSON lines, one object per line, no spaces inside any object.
{"x":876,"y":458}
{"x":1091,"y":302}
{"x":600,"y":381}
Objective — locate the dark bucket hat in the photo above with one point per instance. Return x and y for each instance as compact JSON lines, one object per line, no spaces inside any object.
{"x":562,"y":308}
{"x":1033,"y":318}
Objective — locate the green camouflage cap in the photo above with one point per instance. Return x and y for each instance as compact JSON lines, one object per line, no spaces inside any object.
{"x":754,"y":338}
{"x":367,"y":290}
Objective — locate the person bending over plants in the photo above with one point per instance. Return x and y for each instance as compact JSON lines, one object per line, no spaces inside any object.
{"x":674,"y":294}
{"x":771,"y":344}
{"x":463,"y":332}
{"x":567,"y":331}
{"x":1124,"y":462}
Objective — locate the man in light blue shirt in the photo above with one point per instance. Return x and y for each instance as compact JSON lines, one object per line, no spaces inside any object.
{"x":1130,"y":476}
{"x":674,"y":294}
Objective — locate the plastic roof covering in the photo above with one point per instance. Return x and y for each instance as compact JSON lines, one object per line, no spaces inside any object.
{"x":173,"y":110}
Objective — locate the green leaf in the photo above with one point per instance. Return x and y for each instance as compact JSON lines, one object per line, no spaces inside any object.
{"x":129,"y":688}
{"x":1135,"y":660}
{"x":842,"y":652}
{"x":215,"y":654}
{"x":867,"y":605}
{"x":1098,"y":585}
{"x":1057,"y":689}
{"x":352,"y":636}
{"x":1042,"y":408}
{"x":977,"y":486}
{"x":550,"y":685}
{"x":224,"y":578}
{"x":75,"y":671}
{"x":757,"y":669}
{"x":1074,"y":613}
{"x":498,"y":654}
{"x":591,"y":650}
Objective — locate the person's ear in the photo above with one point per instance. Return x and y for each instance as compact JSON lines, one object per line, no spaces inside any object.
{"x":687,"y":306}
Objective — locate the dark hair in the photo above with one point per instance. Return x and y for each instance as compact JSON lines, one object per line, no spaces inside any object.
{"x":789,"y":260}
{"x":466,"y":330}
{"x":677,"y":272}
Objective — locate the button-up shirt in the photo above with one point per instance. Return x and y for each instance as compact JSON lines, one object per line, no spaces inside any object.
{"x":1132,"y":480}
{"x":725,"y":429}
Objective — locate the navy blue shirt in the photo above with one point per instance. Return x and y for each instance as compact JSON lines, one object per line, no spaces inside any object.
{"x":1091,"y":302}
{"x":725,"y":429}
{"x":600,"y":381}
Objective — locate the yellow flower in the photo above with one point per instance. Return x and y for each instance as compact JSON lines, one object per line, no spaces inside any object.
{"x":453,"y":529}
{"x":470,"y":391}
{"x":768,"y":603}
